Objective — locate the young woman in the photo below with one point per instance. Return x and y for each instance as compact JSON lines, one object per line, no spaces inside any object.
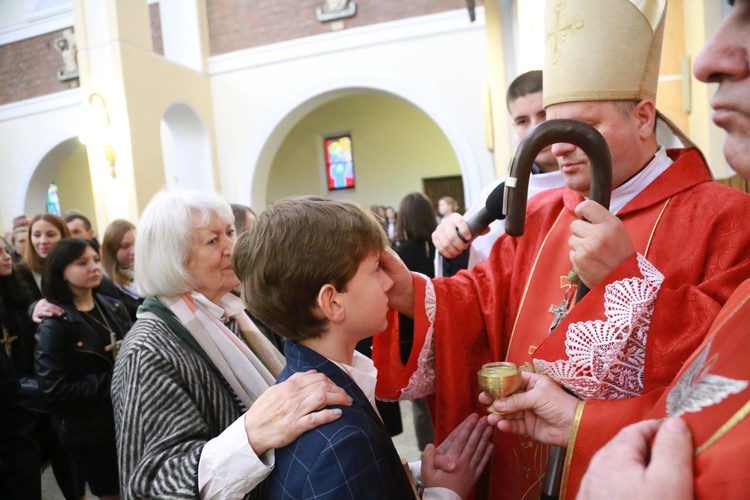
{"x":414,"y":228}
{"x":44,"y":231}
{"x":446,"y":206}
{"x":118,"y":257}
{"x":391,"y":217}
{"x":74,"y":359}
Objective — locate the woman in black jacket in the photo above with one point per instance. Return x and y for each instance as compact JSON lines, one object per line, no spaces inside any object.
{"x":74,"y":359}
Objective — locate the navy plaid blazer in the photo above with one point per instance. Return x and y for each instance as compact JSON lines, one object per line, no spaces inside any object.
{"x":352,"y":457}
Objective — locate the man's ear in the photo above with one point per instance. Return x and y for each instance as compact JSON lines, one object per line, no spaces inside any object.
{"x":645,"y":113}
{"x":329,"y":304}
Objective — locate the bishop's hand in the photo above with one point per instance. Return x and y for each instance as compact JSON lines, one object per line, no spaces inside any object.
{"x":540,"y":410}
{"x":599,"y":243}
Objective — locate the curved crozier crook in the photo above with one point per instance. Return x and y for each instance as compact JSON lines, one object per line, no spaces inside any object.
{"x":545,"y":134}
{"x":593,"y":144}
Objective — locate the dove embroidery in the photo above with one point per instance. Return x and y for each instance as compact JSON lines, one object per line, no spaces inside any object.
{"x":698,"y":389}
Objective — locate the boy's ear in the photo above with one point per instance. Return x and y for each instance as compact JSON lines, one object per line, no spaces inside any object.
{"x":329,"y":304}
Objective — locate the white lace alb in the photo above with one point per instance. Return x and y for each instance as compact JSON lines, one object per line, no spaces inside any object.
{"x":422,"y":381}
{"x":606,"y":358}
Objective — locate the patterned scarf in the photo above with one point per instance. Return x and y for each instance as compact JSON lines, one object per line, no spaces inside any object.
{"x":249,"y":367}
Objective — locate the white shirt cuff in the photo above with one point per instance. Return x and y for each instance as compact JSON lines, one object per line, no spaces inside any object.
{"x":436,"y":493}
{"x":228,"y":466}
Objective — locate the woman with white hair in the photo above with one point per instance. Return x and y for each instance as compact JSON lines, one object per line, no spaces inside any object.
{"x":196,"y":410}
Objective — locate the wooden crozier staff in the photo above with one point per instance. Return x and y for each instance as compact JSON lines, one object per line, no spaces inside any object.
{"x":593,"y":144}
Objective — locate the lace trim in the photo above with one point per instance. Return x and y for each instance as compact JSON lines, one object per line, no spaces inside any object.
{"x":422,"y":381}
{"x":606,"y":358}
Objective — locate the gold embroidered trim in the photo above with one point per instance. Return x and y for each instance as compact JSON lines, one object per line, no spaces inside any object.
{"x":531,"y":275}
{"x":593,"y":95}
{"x":728,"y":425}
{"x":653,"y":230}
{"x":571,"y":445}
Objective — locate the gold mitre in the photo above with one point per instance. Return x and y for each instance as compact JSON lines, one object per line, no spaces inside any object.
{"x":606,"y":50}
{"x":602,"y":50}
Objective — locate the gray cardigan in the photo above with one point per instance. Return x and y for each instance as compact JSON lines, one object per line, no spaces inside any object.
{"x":168,"y":403}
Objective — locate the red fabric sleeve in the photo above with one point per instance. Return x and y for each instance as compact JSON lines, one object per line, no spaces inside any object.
{"x":393,"y":375}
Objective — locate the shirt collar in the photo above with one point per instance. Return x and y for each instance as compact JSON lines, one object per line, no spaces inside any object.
{"x":365,"y":375}
{"x":629,"y":190}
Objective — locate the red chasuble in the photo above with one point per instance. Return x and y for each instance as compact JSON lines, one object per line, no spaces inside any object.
{"x":711,"y":393}
{"x":692,"y":230}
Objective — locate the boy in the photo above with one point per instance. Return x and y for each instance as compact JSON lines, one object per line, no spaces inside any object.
{"x":310,"y":269}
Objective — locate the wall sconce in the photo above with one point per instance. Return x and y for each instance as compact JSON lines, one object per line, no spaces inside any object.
{"x":98,"y":131}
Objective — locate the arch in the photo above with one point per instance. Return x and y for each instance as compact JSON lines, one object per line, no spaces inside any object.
{"x":32,"y":197}
{"x":263,"y":146}
{"x":186,"y":148}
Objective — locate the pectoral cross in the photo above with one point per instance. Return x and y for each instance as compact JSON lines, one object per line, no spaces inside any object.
{"x":114,"y":346}
{"x":570,"y":283}
{"x":559,"y":312}
{"x":7,"y":339}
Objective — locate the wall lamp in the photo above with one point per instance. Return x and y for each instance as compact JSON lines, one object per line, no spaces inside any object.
{"x":98,"y":131}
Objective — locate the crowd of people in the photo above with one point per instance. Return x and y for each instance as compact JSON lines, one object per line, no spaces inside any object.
{"x":66,"y":304}
{"x":211,"y":352}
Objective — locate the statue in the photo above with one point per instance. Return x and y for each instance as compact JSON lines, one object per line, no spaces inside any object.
{"x":65,"y":44}
{"x":336,"y":9}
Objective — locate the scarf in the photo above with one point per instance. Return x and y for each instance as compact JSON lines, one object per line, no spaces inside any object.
{"x":249,"y":367}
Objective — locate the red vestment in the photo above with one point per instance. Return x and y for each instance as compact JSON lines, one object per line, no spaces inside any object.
{"x":691,"y":229}
{"x":711,"y":393}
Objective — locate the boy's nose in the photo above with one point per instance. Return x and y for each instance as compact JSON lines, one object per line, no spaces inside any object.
{"x":387,"y":283}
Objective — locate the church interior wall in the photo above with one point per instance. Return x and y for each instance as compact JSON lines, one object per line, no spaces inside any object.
{"x":395,"y":145}
{"x":74,"y":185}
{"x":24,"y":142}
{"x":147,"y":100}
{"x":446,"y":70}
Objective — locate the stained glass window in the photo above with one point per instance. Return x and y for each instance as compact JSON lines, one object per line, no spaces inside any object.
{"x":339,"y":162}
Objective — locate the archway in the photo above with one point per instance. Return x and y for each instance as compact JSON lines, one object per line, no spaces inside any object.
{"x":68,"y":158}
{"x":186,"y":149}
{"x":396,"y":148}
{"x":263,"y":147}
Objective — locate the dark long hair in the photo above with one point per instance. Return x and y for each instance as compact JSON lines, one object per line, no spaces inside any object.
{"x":14,"y":291}
{"x":63,"y":253}
{"x":416,"y":218}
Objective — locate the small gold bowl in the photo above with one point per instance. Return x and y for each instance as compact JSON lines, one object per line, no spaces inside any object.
{"x":499,"y":380}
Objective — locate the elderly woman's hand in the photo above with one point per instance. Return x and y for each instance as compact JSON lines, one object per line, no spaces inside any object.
{"x":289,"y":409}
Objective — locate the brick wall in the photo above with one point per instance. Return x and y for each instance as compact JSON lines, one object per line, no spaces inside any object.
{"x":156,"y":39}
{"x":28,"y":68}
{"x":240,"y":24}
